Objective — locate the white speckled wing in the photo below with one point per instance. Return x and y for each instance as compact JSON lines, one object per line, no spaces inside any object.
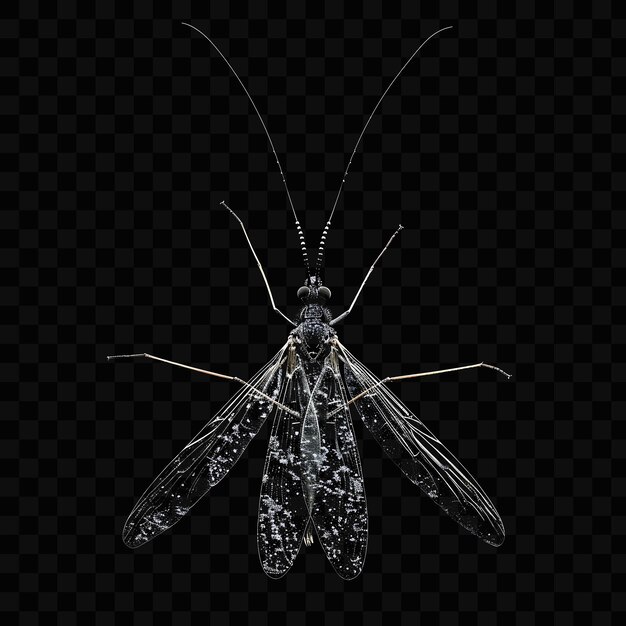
{"x":313,"y":473}
{"x":420,"y":455}
{"x":339,"y":505}
{"x":282,"y":511}
{"x":207,"y":458}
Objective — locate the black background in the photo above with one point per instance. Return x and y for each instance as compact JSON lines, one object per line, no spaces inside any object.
{"x":123,"y":130}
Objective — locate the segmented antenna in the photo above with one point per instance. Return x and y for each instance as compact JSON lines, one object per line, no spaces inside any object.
{"x":320,"y":254}
{"x":280,"y":169}
{"x":320,"y":251}
{"x":305,"y":255}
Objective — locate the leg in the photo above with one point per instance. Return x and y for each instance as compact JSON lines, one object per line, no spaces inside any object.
{"x":452,"y":369}
{"x":124,"y":357}
{"x":256,"y":258}
{"x":358,"y":293}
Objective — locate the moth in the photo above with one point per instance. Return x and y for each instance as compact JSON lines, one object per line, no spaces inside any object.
{"x":312,"y":484}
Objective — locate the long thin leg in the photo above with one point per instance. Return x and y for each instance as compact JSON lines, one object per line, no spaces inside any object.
{"x":358,"y":293}
{"x":452,"y":369}
{"x":256,"y":258}
{"x":144,"y":355}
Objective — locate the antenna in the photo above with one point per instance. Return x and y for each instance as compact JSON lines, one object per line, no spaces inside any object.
{"x":320,"y":253}
{"x":280,"y":169}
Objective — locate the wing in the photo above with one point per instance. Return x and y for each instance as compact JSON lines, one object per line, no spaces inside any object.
{"x":206,"y":459}
{"x":282,"y":511}
{"x":339,"y":506}
{"x":313,"y":472}
{"x":420,"y":455}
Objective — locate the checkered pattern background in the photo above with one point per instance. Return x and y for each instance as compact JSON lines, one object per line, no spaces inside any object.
{"x":497,"y":150}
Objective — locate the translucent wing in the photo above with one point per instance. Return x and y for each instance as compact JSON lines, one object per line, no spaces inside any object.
{"x":283,"y":513}
{"x":420,"y":455}
{"x":338,"y":505}
{"x":313,"y":473}
{"x":206,"y":459}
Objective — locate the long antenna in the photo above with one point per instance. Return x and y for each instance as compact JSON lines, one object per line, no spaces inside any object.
{"x":320,"y":254}
{"x":280,"y":169}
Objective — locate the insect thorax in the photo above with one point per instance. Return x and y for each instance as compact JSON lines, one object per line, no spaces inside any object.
{"x":313,"y":334}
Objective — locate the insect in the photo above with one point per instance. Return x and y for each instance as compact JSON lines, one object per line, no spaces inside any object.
{"x":312,"y":482}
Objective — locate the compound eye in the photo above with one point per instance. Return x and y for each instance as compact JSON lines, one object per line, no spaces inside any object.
{"x":303,"y":292}
{"x":324,"y":292}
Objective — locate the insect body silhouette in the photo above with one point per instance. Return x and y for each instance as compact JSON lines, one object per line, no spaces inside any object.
{"x":312,"y":482}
